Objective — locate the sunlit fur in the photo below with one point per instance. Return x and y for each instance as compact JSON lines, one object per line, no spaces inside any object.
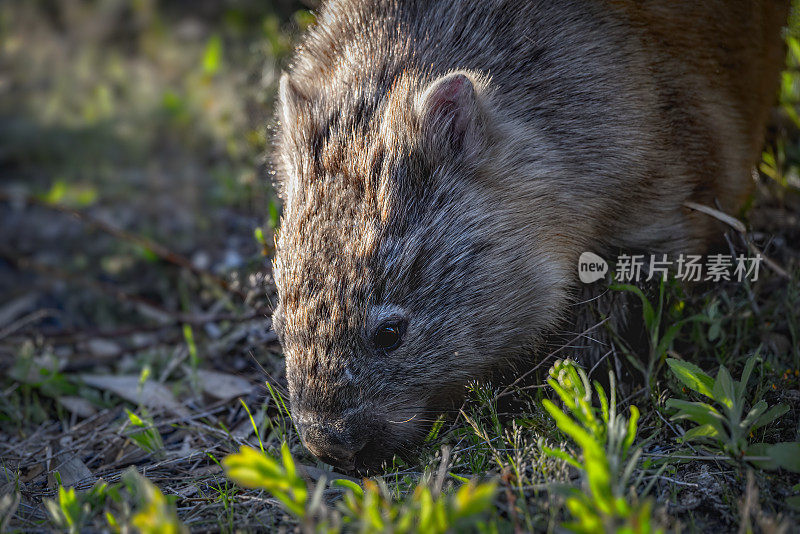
{"x":582,"y":126}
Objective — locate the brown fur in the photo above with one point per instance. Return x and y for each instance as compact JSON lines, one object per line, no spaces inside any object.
{"x":443,"y":163}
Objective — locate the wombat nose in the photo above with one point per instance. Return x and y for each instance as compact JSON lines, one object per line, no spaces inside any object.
{"x":330,"y":446}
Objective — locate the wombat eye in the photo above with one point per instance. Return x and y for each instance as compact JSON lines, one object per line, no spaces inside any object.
{"x":388,"y":336}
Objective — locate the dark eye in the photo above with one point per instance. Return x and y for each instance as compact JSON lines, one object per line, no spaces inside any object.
{"x":388,"y":336}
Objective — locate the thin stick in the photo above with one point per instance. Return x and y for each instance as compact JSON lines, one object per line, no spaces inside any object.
{"x":739,"y":226}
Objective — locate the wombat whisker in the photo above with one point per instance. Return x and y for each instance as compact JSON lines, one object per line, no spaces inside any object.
{"x":590,"y":299}
{"x":413,"y":420}
{"x":402,"y":422}
{"x":565,"y":332}
{"x":417,"y":410}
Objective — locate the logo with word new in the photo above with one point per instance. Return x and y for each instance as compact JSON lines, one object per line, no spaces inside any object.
{"x":591,"y":267}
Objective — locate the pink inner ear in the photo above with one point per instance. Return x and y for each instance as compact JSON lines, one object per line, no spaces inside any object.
{"x":449,"y":107}
{"x":456,"y":88}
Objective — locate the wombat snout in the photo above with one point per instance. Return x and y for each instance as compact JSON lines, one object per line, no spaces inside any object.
{"x":334,"y":444}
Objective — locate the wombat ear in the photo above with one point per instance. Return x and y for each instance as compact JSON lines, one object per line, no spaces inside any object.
{"x":291,"y":99}
{"x":450,"y":113}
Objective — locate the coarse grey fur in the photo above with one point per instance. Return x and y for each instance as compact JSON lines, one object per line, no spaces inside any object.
{"x":443,"y":163}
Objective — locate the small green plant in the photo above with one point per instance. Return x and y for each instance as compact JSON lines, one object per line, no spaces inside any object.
{"x":660,"y":339}
{"x":790,"y":86}
{"x":258,"y":234}
{"x":283,"y":422}
{"x":727,"y":426}
{"x":607,"y":460}
{"x":39,"y":381}
{"x":369,"y":509}
{"x":74,"y":195}
{"x":68,"y":512}
{"x":156,"y":513}
{"x":194,"y":358}
{"x":212,"y":56}
{"x":255,"y":469}
{"x":486,"y":428}
{"x":424,"y":510}
{"x":145,"y":434}
{"x":72,"y":510}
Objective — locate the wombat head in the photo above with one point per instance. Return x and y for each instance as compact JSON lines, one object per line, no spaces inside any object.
{"x":401,"y":269}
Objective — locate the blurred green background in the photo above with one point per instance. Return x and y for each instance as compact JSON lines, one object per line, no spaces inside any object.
{"x":151,"y":116}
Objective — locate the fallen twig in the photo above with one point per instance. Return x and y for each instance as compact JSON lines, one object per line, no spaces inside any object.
{"x":739,"y":226}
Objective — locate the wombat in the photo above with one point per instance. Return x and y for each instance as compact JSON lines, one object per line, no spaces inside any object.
{"x":443,"y":164}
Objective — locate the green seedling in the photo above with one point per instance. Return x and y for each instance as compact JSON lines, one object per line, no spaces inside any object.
{"x":607,"y":460}
{"x":726,"y":424}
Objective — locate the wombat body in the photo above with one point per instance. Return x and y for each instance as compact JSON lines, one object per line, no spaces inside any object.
{"x":443,"y":163}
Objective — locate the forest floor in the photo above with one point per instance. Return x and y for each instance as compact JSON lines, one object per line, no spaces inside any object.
{"x":136,"y":222}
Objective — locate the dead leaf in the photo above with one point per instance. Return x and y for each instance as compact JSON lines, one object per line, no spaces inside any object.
{"x":152,"y":395}
{"x":70,"y":468}
{"x":103,"y":348}
{"x":78,"y":405}
{"x":245,"y":427}
{"x":223,"y":386}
